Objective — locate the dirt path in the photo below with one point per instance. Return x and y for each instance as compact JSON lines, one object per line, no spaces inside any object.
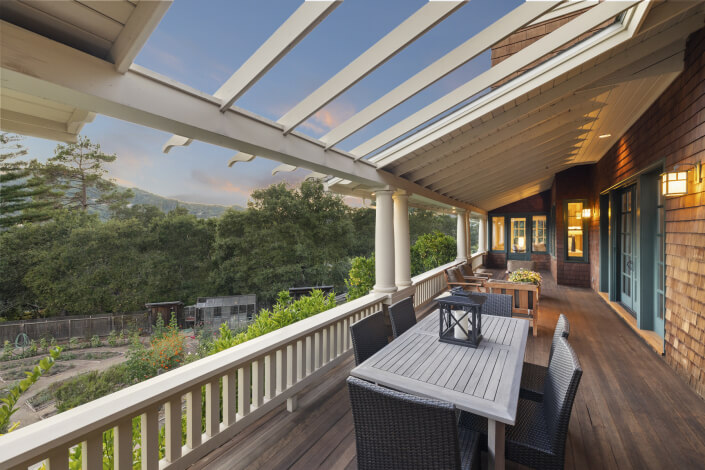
{"x":25,"y":415}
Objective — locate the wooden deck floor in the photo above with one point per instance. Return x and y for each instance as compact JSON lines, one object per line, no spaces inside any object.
{"x":631,"y":411}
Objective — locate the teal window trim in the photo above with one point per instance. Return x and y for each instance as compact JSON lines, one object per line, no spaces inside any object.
{"x":528,"y":231}
{"x":586,"y":256}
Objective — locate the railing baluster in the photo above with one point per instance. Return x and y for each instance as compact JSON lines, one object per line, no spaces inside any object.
{"x":92,"y":451}
{"x":149,"y":443}
{"x":122,"y":445}
{"x":317,"y":350}
{"x":333,"y":346}
{"x":58,"y":460}
{"x":243,"y":391}
{"x":291,"y":364}
{"x":281,"y":370}
{"x":325,"y":346}
{"x":310,"y":356}
{"x":270,"y":376}
{"x":213,"y":408}
{"x":172,"y":437}
{"x":258,"y":390}
{"x":300,"y":360}
{"x":229,"y":393}
{"x":193,"y":417}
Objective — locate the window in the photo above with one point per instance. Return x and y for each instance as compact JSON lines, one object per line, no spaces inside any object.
{"x":497,"y":233}
{"x":518,"y":225}
{"x":538,"y":237}
{"x":552,"y":231}
{"x":576,"y":239}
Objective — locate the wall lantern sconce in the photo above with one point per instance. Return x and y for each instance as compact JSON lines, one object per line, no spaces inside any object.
{"x":586,"y":213}
{"x":674,"y":183}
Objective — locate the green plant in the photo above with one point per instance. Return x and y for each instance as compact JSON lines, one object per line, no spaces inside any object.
{"x":361,"y":277}
{"x":112,"y":339}
{"x":43,"y":344}
{"x":95,"y":342}
{"x":91,"y":386}
{"x":285,"y":312}
{"x":158,"y":331}
{"x":73,"y":343}
{"x":524,"y":275}
{"x":7,"y":350}
{"x":139,"y":364}
{"x":8,"y":408}
{"x":32,"y":351}
{"x":430,"y":251}
{"x":52,"y":342}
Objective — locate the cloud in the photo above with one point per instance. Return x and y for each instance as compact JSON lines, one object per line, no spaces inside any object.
{"x":167,"y":59}
{"x":124,"y":182}
{"x":329,"y":117}
{"x":219,"y":184}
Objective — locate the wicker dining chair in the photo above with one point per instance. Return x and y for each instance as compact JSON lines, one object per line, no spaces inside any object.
{"x":533,"y":375}
{"x":402,"y":316}
{"x":538,"y":438}
{"x":394,"y":430}
{"x":369,"y":335}
{"x":499,"y":305}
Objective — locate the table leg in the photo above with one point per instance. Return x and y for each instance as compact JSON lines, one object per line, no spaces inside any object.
{"x":495,"y":444}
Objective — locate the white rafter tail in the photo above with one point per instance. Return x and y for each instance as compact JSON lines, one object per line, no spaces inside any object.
{"x":176,"y":141}
{"x":407,"y":32}
{"x":240,"y":157}
{"x":283,"y":168}
{"x":288,"y":35}
{"x":140,"y":25}
{"x":517,"y":62}
{"x":500,"y":29}
{"x":314,"y":175}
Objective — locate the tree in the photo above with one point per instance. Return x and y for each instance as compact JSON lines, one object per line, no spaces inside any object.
{"x":19,"y":188}
{"x":286,"y":237}
{"x":361,"y":278}
{"x":430,"y":251}
{"x":78,"y":171}
{"x":422,"y":222}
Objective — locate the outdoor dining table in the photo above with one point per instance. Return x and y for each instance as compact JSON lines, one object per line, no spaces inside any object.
{"x":483,"y":380}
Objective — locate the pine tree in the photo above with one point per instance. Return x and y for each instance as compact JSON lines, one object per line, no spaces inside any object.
{"x":78,"y":170}
{"x":21,"y":190}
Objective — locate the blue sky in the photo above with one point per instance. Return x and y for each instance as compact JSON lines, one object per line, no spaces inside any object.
{"x":201,"y":43}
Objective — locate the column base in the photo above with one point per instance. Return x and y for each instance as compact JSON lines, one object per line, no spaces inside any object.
{"x":384,"y":289}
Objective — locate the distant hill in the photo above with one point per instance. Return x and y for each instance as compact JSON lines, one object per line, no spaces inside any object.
{"x":202,"y":211}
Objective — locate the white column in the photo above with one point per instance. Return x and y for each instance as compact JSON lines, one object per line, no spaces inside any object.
{"x":461,"y":236}
{"x":384,"y":242}
{"x":482,"y":234}
{"x":402,"y":244}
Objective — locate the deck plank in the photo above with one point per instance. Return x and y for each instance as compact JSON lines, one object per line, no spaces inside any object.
{"x":632,"y":410}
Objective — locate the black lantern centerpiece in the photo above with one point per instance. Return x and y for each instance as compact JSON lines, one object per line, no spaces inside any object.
{"x":461,"y":319}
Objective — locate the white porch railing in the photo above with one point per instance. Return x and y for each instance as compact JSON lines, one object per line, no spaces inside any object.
{"x":429,"y":284}
{"x":254,"y":377}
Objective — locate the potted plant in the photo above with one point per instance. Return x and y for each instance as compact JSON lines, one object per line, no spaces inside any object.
{"x":524,"y":275}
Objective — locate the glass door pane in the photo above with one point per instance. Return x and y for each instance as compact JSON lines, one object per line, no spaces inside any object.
{"x":497,"y":233}
{"x":518,"y":227}
{"x":575,"y":230}
{"x":538,"y":244}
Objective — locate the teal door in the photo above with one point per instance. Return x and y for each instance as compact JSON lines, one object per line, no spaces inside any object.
{"x":659,"y":261}
{"x":627,"y":248}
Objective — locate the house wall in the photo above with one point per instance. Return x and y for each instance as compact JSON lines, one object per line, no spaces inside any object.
{"x":673,"y":128}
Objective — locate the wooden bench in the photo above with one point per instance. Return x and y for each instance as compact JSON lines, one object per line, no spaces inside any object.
{"x":526,"y":298}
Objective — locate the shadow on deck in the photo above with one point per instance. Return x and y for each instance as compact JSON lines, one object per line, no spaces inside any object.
{"x":632,"y":410}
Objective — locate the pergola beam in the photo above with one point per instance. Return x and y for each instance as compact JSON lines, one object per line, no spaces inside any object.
{"x":407,"y":32}
{"x":140,"y":25}
{"x":524,"y":58}
{"x":500,"y":29}
{"x":283,"y":40}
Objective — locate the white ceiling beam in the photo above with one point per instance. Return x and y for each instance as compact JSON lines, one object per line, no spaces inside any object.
{"x":140,"y":25}
{"x":524,"y":58}
{"x":544,"y":148}
{"x":283,"y":40}
{"x":38,"y":66}
{"x":407,"y":32}
{"x":525,"y":190}
{"x":499,"y":141}
{"x":78,"y":119}
{"x":529,"y":140}
{"x":36,"y":127}
{"x":462,"y":54}
{"x":519,"y":121}
{"x":592,"y":69}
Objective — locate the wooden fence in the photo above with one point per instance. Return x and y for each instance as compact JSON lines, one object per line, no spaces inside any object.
{"x":84,"y":326}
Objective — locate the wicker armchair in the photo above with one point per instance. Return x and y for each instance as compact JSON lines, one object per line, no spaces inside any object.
{"x":470,"y":275}
{"x":394,"y":430}
{"x":455,"y":279}
{"x":538,"y":438}
{"x":499,"y":305}
{"x":533,"y":376}
{"x":369,"y":335}
{"x":402,"y":316}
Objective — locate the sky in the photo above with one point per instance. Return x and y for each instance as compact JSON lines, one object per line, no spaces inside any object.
{"x":202,"y":42}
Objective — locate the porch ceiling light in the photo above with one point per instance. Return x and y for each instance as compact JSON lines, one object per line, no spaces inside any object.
{"x":674,"y":183}
{"x":604,"y":136}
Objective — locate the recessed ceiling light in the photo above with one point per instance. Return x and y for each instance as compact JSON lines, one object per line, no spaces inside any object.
{"x":604,"y":136}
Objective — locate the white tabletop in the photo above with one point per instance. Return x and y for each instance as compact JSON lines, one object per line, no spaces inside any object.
{"x":483,"y":380}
